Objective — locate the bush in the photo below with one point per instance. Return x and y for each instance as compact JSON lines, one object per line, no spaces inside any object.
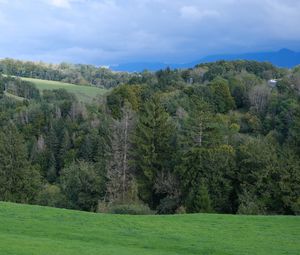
{"x":51,"y":195}
{"x":168,"y":205}
{"x":132,"y":209}
{"x":180,"y":210}
{"x":250,"y":209}
{"x":250,"y":205}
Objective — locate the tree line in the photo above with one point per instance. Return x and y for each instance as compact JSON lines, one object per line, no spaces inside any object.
{"x":214,"y":138}
{"x":71,"y":73}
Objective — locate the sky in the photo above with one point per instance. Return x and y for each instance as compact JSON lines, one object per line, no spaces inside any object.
{"x":109,"y":32}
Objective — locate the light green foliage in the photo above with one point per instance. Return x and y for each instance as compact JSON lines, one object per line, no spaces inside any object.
{"x":33,"y":230}
{"x":51,"y":195}
{"x":122,"y":94}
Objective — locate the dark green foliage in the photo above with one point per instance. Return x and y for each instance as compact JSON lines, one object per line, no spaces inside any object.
{"x":214,"y":170}
{"x":132,"y":209}
{"x":239,"y":93}
{"x":168,"y":79}
{"x":223,"y":101}
{"x":76,"y":74}
{"x":168,"y":205}
{"x":225,"y":68}
{"x":198,"y":127}
{"x":19,"y":88}
{"x":198,"y":199}
{"x":19,"y":181}
{"x":215,"y":138}
{"x":153,"y":150}
{"x":83,"y":186}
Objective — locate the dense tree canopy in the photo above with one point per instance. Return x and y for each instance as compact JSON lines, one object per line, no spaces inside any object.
{"x":214,"y":138}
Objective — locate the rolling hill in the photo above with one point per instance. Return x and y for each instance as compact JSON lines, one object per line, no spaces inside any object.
{"x":83,"y":93}
{"x":35,"y":230}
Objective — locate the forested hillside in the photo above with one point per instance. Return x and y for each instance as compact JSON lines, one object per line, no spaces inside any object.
{"x":64,"y":72}
{"x":220,"y":137}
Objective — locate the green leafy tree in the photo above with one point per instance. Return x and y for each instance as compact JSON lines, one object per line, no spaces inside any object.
{"x":83,"y":186}
{"x":221,"y":96}
{"x":259,"y":173}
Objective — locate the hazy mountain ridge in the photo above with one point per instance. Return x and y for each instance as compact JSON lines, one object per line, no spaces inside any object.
{"x":282,"y":58}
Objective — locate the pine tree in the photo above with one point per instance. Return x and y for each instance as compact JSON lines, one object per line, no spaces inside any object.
{"x":19,"y":182}
{"x":198,"y":126}
{"x":221,"y":95}
{"x":199,"y":199}
{"x":153,"y":150}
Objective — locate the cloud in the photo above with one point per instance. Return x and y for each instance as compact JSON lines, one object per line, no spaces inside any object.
{"x":61,"y":3}
{"x":193,"y":13}
{"x":114,"y":31}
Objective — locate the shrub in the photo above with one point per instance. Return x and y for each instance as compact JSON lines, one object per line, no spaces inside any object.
{"x":180,"y":210}
{"x":168,"y":205}
{"x":133,"y":209}
{"x":51,"y":195}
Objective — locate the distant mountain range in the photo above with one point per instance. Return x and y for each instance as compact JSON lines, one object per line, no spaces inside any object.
{"x":282,"y":58}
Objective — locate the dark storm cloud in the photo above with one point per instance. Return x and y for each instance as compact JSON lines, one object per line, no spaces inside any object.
{"x":108,"y":32}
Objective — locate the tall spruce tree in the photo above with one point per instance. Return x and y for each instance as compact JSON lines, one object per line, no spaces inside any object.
{"x":19,"y":182}
{"x":153,"y":150}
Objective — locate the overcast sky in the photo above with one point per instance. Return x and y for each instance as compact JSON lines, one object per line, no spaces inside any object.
{"x":105,"y":32}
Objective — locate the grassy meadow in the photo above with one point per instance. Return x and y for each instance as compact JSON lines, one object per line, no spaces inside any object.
{"x":35,"y":230}
{"x":14,"y":96}
{"x":84,"y":93}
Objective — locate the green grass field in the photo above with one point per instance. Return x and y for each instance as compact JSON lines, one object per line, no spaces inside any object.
{"x":84,"y":93}
{"x":14,"y":96}
{"x":34,"y":230}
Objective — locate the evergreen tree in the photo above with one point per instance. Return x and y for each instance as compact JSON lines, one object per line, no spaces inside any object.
{"x":216,"y":167}
{"x":199,"y":200}
{"x":221,"y":96}
{"x":198,"y":129}
{"x":153,"y":150}
{"x":19,"y":182}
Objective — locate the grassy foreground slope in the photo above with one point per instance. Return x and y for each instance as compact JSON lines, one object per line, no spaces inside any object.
{"x":34,"y":230}
{"x":84,"y":93}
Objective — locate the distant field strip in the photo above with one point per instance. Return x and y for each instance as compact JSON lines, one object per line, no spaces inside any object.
{"x":14,"y":96}
{"x":34,"y":230}
{"x":84,"y":93}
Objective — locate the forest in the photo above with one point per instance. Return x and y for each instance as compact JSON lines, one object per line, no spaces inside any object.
{"x":71,"y":73}
{"x":222,"y":137}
